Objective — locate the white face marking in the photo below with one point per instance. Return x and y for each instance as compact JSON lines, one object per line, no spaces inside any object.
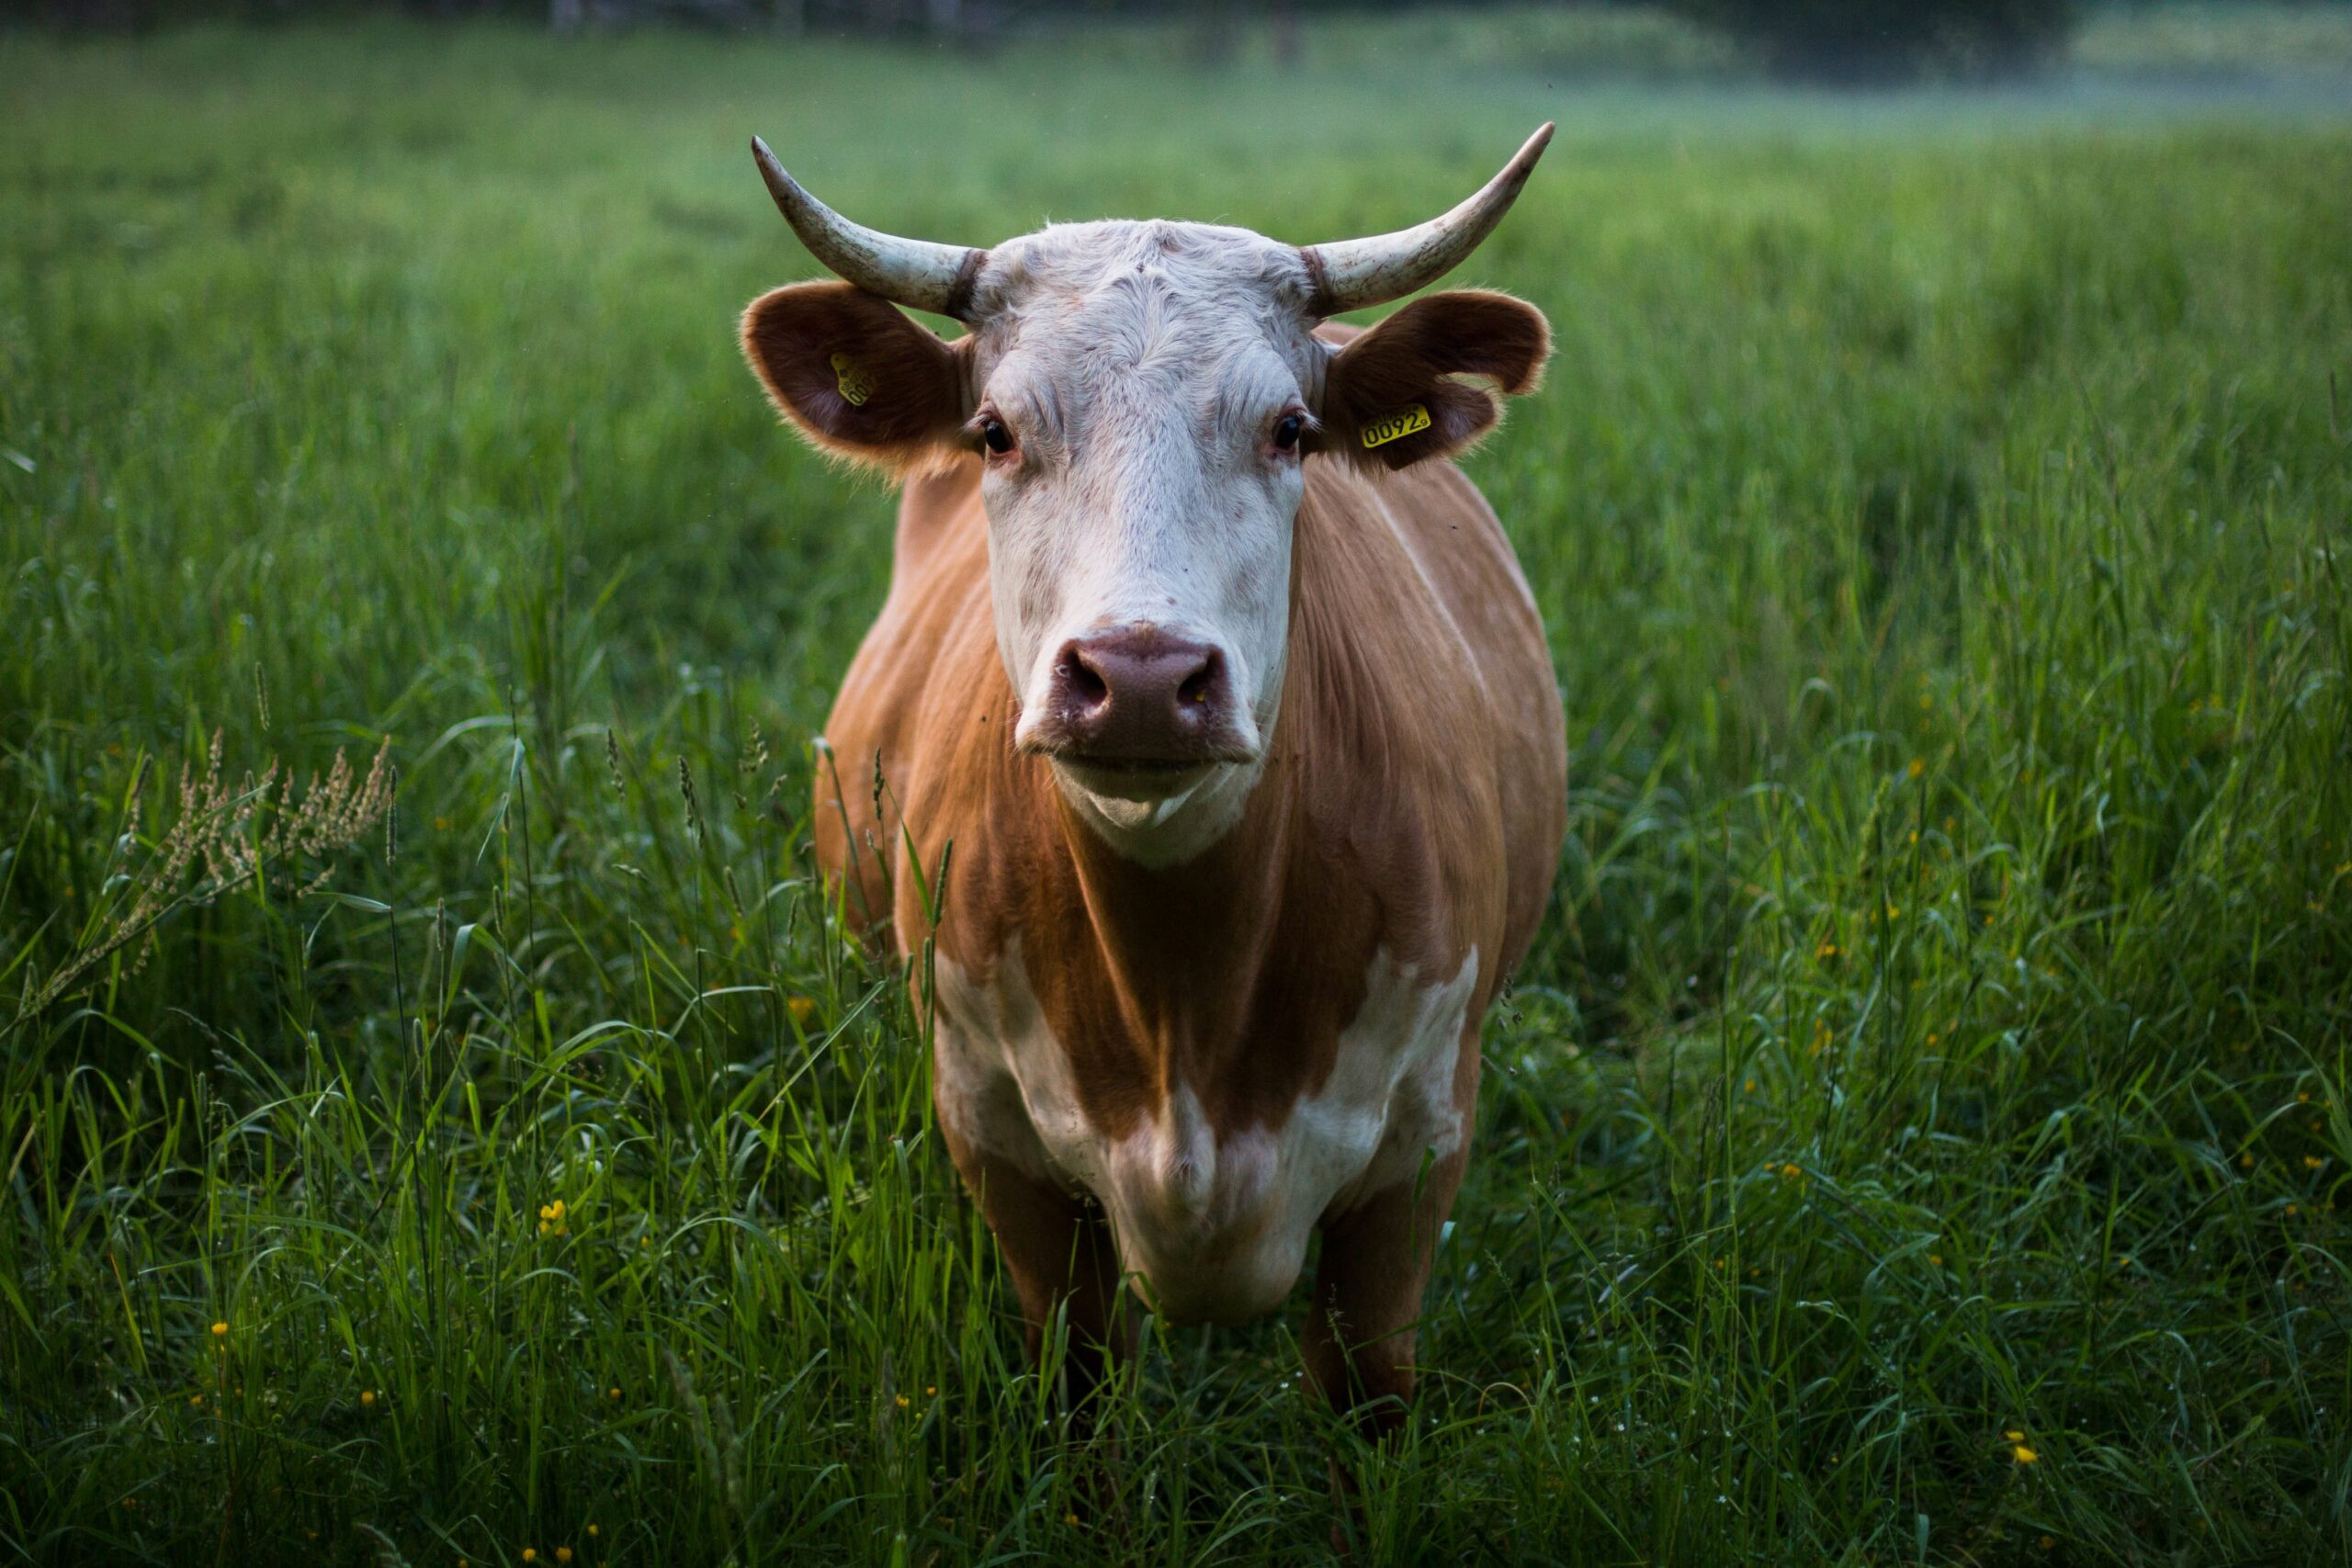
{"x":1142,"y":367}
{"x":1210,"y":1230}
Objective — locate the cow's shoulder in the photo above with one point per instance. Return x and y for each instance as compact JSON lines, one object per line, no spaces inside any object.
{"x":1429,"y":722}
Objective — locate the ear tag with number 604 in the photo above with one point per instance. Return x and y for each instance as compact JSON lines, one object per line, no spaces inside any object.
{"x":855,"y":385}
{"x":1396,"y":427}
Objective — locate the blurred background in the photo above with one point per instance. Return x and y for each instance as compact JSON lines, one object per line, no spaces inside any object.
{"x":1843,"y":41}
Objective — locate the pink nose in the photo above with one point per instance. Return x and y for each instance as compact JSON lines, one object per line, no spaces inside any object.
{"x":1138,"y":697}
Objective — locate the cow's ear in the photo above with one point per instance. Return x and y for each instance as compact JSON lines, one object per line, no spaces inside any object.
{"x":1398,"y":394}
{"x":858,"y":377}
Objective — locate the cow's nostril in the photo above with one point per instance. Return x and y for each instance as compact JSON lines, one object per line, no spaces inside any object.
{"x":1081,"y":680}
{"x":1200,"y":684}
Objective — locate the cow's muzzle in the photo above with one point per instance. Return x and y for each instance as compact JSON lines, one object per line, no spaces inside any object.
{"x":1136,"y":701}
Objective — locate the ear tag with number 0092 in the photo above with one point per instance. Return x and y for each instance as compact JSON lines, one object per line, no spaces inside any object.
{"x":1396,"y":427}
{"x":855,"y":385}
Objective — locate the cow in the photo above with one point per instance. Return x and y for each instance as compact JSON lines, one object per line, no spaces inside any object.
{"x":1206,"y":752}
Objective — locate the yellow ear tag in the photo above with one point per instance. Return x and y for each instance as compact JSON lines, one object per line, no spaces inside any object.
{"x":856,"y":386}
{"x":1412,"y":422}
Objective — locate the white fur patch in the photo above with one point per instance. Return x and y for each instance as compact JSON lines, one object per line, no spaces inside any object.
{"x":1141,"y":367}
{"x":1208,"y":1229}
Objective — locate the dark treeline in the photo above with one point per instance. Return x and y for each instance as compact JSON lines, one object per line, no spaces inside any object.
{"x":1863,"y":40}
{"x":876,"y":16}
{"x":1835,"y":41}
{"x":872,"y":17}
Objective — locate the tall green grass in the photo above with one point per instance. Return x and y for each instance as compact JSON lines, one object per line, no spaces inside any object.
{"x":1938,"y":507}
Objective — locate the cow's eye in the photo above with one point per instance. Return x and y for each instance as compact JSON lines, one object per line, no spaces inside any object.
{"x":1288,"y":431}
{"x":999,"y":439}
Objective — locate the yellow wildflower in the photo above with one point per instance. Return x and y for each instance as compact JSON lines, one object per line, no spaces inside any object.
{"x":219,"y":1331}
{"x":1916,"y":768}
{"x":2024,"y":1455}
{"x":802,"y":1009}
{"x":367,"y":1396}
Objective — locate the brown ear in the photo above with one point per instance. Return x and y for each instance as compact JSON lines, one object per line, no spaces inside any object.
{"x":1393,"y":396}
{"x":858,"y":378}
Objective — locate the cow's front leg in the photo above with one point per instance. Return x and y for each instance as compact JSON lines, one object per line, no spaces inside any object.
{"x":1375,"y":1263}
{"x":1368,"y":1287}
{"x":1062,"y":1257}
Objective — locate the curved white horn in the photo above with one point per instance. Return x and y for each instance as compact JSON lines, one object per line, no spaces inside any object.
{"x":915,"y":273}
{"x":1351,"y":274}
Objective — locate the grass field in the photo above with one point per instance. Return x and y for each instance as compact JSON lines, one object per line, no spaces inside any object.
{"x":1917,"y":1137}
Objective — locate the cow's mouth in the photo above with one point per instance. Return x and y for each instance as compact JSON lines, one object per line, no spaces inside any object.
{"x":1117,"y":758}
{"x":1196,"y":757}
{"x":1133,"y":767}
{"x":1156,"y":781}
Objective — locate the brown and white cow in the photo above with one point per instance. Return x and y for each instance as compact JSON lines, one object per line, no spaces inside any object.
{"x":1224,"y":687}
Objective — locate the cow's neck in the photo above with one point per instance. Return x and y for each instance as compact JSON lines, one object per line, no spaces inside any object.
{"x":1183,"y":944}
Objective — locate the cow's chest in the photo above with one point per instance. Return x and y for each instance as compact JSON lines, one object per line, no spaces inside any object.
{"x":1212,"y":1224}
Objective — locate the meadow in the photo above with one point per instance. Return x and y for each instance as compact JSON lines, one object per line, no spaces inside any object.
{"x":1917,"y":1137}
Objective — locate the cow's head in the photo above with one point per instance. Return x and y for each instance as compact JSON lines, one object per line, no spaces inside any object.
{"x":1141,"y":397}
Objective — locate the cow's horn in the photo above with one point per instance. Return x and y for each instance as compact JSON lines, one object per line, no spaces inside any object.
{"x":1351,"y":274}
{"x":914,"y":273}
